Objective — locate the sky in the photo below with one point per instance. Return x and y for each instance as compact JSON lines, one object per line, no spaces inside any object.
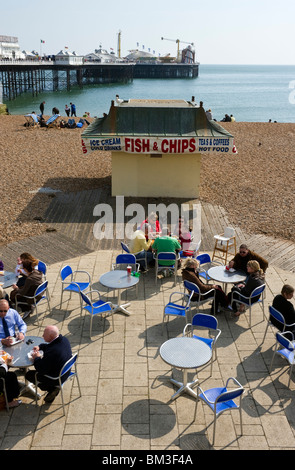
{"x":223,"y":32}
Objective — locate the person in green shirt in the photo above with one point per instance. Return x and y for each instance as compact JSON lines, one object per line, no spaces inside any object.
{"x":166,"y":244}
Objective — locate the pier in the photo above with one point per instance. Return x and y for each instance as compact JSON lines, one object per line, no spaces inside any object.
{"x":18,"y":77}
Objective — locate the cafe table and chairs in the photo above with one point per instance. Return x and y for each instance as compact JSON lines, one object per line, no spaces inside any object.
{"x":21,"y":352}
{"x":119,"y":280}
{"x":185,"y":353}
{"x":226,"y":276}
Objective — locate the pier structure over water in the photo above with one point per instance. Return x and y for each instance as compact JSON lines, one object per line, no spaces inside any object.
{"x":19,"y":77}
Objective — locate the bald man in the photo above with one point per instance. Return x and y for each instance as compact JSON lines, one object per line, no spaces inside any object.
{"x":48,"y":359}
{"x":9,"y":320}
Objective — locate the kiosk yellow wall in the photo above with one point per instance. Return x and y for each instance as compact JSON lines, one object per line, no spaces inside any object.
{"x":144,"y":175}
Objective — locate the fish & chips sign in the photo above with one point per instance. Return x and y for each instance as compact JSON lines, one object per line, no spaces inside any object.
{"x":160,"y":145}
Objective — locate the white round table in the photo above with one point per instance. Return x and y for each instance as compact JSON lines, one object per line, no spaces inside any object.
{"x":220,"y":274}
{"x":118,"y":279}
{"x":185,"y":353}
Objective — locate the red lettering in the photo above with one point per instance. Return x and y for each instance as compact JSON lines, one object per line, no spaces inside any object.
{"x":137,"y":145}
{"x":192,"y":145}
{"x":173,"y":146}
{"x":184,"y":145}
{"x":127,"y":144}
{"x":84,"y":148}
{"x":164,"y":144}
{"x":146,"y":145}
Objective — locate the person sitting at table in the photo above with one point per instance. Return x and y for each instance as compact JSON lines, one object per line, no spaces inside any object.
{"x":166,"y":244}
{"x":11,"y":383}
{"x":241,"y":259}
{"x":9,"y":319}
{"x":140,"y":246}
{"x":183,"y":233}
{"x":282,"y":304}
{"x":56,"y":352}
{"x":3,"y":294}
{"x":154,"y":225}
{"x":33,"y":280}
{"x":190,"y":272}
{"x":19,"y":267}
{"x":255,"y":279}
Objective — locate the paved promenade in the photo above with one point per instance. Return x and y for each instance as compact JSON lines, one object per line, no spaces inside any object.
{"x":125,"y":403}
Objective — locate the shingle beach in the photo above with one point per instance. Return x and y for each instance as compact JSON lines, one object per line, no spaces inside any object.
{"x":256,"y":186}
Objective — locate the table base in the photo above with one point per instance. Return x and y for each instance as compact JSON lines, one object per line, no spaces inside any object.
{"x":122,"y":308}
{"x":184,"y":387}
{"x":28,"y":388}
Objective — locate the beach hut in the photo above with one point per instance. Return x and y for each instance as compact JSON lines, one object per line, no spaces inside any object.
{"x":156,"y":146}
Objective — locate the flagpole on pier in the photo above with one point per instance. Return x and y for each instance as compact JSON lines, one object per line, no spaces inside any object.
{"x":41,"y":42}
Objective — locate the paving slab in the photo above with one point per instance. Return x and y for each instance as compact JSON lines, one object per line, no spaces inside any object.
{"x":126,"y":390}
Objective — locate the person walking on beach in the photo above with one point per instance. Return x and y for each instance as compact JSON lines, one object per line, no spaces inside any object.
{"x":67,"y":110}
{"x":42,"y":108}
{"x":73,"y":109}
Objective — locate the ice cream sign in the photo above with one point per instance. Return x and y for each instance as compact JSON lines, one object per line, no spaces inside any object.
{"x":160,"y":145}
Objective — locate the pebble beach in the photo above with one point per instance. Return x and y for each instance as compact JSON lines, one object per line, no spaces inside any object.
{"x":255,"y":186}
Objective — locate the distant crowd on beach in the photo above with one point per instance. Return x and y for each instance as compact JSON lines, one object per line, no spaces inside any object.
{"x":227,"y":117}
{"x":56,"y":117}
{"x":69,"y":110}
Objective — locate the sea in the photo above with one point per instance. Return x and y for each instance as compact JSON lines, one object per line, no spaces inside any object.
{"x":251,"y":93}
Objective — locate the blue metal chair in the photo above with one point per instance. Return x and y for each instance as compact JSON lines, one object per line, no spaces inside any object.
{"x":177,"y":309}
{"x":208,"y":323}
{"x":99,"y":307}
{"x":125,"y":248}
{"x":35,"y":299}
{"x":65,"y":368}
{"x":172,"y":268}
{"x":221,"y":399}
{"x":127,"y":259}
{"x":276,"y":315}
{"x":191,"y":287}
{"x":205,"y":264}
{"x":287,"y":349}
{"x":42,"y":268}
{"x":257,"y":296}
{"x":70,"y":284}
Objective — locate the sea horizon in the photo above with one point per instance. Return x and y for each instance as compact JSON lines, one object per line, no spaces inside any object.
{"x":252,"y":93}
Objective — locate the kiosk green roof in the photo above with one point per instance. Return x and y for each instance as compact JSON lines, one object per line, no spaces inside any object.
{"x":173,"y":118}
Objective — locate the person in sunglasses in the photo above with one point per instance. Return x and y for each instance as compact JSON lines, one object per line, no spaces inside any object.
{"x":241,"y":259}
{"x":9,"y":319}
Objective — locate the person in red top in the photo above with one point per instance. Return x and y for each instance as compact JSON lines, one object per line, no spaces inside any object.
{"x":183,"y":232}
{"x":155,"y":228}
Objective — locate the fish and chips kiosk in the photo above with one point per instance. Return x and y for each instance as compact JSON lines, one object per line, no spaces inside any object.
{"x":156,"y":146}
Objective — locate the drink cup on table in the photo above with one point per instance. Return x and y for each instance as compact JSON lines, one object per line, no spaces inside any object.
{"x":129,"y":270}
